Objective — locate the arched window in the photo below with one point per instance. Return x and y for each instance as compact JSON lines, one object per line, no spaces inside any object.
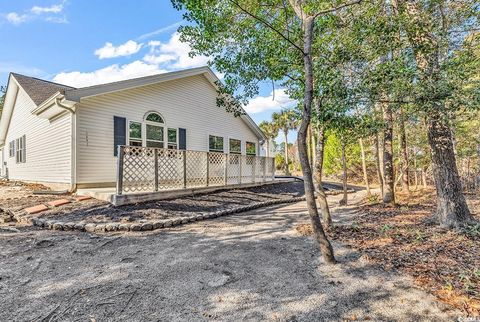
{"x":155,"y":132}
{"x":154,"y":117}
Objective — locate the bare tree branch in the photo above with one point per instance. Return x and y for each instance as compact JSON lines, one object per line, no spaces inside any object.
{"x":266,"y":23}
{"x":344,"y":5}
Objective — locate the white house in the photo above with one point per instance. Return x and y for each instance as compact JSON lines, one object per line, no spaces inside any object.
{"x":66,"y":137}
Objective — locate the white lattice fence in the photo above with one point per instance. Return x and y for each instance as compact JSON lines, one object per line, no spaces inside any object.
{"x":150,"y":169}
{"x":196,"y":169}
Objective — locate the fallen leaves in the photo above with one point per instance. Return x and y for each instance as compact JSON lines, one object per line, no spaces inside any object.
{"x":406,"y":238}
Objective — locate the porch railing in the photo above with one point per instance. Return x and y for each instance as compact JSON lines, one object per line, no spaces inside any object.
{"x":141,"y":169}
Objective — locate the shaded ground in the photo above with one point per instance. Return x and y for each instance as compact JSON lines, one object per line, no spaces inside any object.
{"x":95,"y":211}
{"x":252,"y":266}
{"x":406,"y":238}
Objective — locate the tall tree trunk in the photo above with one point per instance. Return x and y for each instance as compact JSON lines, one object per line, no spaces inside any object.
{"x":403,"y":146}
{"x":415,"y":167}
{"x":424,"y":177}
{"x":321,"y":197}
{"x":452,"y":209}
{"x":478,"y":164}
{"x":344,"y":200}
{"x":364,"y":168}
{"x":287,"y":170}
{"x":314,"y":148}
{"x":379,"y":164}
{"x":389,"y":196}
{"x":320,"y":236}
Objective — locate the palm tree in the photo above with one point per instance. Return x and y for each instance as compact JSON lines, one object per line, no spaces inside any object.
{"x":270,"y":130}
{"x":285,"y":120}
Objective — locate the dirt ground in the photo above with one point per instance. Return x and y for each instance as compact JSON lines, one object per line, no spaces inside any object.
{"x":252,"y":266}
{"x":407,"y":238}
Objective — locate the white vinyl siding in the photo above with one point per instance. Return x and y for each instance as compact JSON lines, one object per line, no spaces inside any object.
{"x":188,"y":103}
{"x":47,"y":145}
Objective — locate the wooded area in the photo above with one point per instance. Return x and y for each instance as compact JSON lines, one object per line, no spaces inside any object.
{"x":402,"y":76}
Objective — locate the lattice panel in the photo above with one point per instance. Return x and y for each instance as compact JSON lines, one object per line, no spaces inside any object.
{"x":170,"y":169}
{"x":269,"y":169}
{"x":247,"y":168}
{"x":233,"y":168}
{"x":259,"y":162}
{"x":177,"y":169}
{"x":196,"y":168}
{"x":138,"y":169}
{"x":216,"y":168}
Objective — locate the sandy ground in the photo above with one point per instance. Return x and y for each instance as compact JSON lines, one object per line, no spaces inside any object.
{"x":252,"y":266}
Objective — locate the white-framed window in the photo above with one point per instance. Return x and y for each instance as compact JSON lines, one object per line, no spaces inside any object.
{"x":11,"y":149}
{"x":235,"y":146}
{"x":250,"y":148}
{"x":20,"y":150}
{"x":154,"y":130}
{"x":135,"y":133}
{"x":172,"y":138}
{"x":215,"y":143}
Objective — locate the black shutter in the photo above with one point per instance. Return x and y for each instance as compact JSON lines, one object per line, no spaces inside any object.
{"x":119,"y":133}
{"x":182,"y":139}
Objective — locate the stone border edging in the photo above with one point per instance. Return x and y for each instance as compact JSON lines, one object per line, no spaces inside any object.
{"x":152,"y":224}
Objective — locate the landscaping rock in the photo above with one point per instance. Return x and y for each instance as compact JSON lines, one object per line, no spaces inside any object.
{"x":157,"y":224}
{"x":57,"y":226}
{"x":136,"y":227}
{"x":90,"y":228}
{"x":147,"y":226}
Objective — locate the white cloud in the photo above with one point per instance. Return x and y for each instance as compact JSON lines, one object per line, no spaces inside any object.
{"x":173,"y":54}
{"x":16,"y":18}
{"x":108,"y":74}
{"x":56,"y":8}
{"x":126,"y":49}
{"x":49,"y":14}
{"x":271,"y":102}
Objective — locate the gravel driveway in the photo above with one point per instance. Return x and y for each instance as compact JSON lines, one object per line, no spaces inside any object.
{"x":252,"y":266}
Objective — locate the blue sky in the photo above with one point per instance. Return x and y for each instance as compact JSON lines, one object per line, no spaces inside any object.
{"x":86,"y":42}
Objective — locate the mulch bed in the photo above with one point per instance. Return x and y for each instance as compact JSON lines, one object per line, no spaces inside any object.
{"x":95,"y":211}
{"x":406,"y":238}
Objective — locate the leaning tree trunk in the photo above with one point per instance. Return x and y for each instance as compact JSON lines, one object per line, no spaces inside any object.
{"x":388,"y":175}
{"x":320,"y":236}
{"x":403,"y":146}
{"x":287,"y":170}
{"x":452,"y":209}
{"x":379,"y":165}
{"x":364,"y":168}
{"x":344,"y":200}
{"x":321,"y":197}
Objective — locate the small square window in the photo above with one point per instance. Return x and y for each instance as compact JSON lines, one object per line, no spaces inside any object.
{"x":235,"y":146}
{"x":250,"y":148}
{"x":215,"y":143}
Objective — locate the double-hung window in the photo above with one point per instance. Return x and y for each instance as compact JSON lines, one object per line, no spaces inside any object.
{"x":11,"y":149}
{"x":135,"y":134}
{"x":20,"y":150}
{"x":172,"y":139}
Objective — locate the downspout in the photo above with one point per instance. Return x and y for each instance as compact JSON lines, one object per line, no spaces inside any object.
{"x":73,"y":147}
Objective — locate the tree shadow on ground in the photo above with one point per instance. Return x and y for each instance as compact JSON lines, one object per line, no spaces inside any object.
{"x":250,"y":266}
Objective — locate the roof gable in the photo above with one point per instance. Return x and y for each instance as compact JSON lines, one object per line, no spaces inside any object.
{"x":39,"y":90}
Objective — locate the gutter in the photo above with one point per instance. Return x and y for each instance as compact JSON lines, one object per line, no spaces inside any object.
{"x":73,"y":147}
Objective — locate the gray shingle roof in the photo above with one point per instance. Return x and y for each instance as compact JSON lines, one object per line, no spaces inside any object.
{"x":39,"y":90}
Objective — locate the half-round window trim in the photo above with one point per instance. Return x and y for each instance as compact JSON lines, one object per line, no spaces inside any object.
{"x":154,"y":112}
